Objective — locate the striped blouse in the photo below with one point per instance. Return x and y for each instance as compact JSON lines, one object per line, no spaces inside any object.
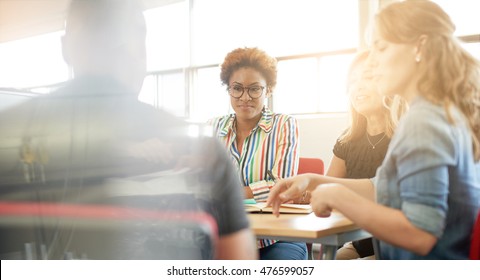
{"x":272,"y":145}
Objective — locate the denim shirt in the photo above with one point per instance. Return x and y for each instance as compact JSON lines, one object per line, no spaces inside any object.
{"x":429,"y":173}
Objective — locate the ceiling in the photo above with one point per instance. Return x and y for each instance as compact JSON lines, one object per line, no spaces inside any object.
{"x":26,"y":18}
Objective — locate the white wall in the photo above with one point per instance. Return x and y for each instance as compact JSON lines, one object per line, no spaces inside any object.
{"x":318,"y":134}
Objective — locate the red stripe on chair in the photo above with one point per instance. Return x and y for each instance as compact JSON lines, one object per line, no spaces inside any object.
{"x":98,"y":212}
{"x":475,"y":245}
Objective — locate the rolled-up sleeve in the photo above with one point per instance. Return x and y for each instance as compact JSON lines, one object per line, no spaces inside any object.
{"x":423,"y":155}
{"x":424,"y":199}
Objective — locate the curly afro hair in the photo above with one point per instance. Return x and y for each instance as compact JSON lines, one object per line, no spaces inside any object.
{"x":249,"y":57}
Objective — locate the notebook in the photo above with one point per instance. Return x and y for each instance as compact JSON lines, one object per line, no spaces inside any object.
{"x":284,"y":208}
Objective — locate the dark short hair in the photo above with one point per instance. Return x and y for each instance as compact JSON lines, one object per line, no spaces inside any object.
{"x":101,"y":21}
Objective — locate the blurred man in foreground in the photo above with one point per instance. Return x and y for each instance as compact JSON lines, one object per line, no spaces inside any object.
{"x":93,"y":143}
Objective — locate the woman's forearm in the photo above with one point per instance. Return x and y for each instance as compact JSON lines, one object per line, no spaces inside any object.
{"x":385,"y":223}
{"x":363,"y":187}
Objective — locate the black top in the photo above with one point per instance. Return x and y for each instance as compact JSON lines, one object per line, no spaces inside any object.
{"x":361,"y":159}
{"x":75,"y":146}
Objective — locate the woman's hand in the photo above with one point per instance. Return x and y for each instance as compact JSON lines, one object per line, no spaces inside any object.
{"x":289,"y":189}
{"x":323,"y":196}
{"x":304,"y":199}
{"x":247,"y":192}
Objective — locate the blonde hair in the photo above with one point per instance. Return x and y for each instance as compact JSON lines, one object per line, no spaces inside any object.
{"x":449,"y":74}
{"x":393,"y":108}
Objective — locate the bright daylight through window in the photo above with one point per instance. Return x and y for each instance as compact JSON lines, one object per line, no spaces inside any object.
{"x":314,"y":42}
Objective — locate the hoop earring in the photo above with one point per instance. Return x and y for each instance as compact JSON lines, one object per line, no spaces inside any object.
{"x":387,"y":101}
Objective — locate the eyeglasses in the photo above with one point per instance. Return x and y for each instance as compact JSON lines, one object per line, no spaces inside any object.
{"x":236,"y":91}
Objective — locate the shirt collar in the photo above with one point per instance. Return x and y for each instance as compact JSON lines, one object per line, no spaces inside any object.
{"x":265,"y":123}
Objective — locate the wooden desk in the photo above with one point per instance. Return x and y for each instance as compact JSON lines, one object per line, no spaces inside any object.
{"x":331,"y":232}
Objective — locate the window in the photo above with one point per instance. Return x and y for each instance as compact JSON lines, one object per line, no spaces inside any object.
{"x":281,"y":28}
{"x":165,"y":91}
{"x":294,"y":31}
{"x":187,"y":40}
{"x":171,"y":88}
{"x":312,"y":85}
{"x":167,"y":36}
{"x":209,"y":98}
{"x":313,"y":40}
{"x":333,"y":81}
{"x":474,"y":48}
{"x":297,"y":86}
{"x":34,"y":61}
{"x":148,"y":94}
{"x":464,"y":15}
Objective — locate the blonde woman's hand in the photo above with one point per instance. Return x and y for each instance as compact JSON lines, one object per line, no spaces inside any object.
{"x":289,"y":189}
{"x":324,"y":197}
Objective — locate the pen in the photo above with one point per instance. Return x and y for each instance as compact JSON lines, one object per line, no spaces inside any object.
{"x":270,"y":174}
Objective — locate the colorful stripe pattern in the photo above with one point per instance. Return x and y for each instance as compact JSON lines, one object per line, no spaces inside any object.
{"x":272,"y":145}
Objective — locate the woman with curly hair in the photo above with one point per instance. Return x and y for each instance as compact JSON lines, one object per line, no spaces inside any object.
{"x":258,"y":140}
{"x":424,"y":199}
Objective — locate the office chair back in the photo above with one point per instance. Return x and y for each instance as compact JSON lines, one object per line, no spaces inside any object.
{"x":475,"y":245}
{"x":31,"y":230}
{"x":310,"y":165}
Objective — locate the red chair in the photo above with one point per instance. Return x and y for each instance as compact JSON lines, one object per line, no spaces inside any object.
{"x":32,"y":230}
{"x":310,"y":165}
{"x":475,"y":245}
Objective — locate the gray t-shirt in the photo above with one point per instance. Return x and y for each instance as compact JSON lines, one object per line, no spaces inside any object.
{"x":90,"y":143}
